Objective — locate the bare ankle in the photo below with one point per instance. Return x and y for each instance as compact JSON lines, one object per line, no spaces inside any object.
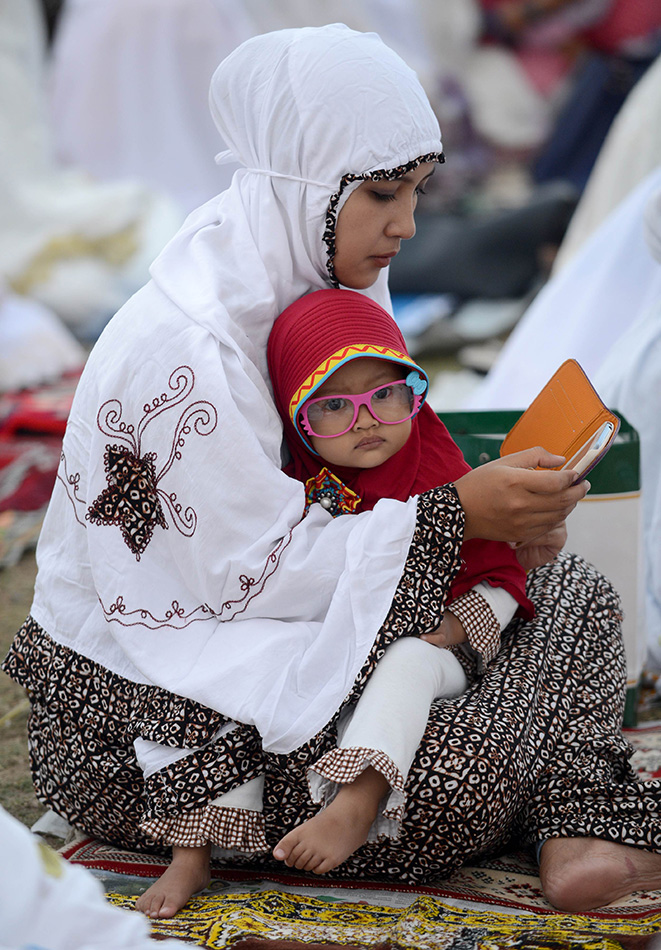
{"x":199,"y":856}
{"x":364,"y":793}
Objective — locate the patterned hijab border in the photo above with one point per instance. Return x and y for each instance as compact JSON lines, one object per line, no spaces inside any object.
{"x":381,"y":174}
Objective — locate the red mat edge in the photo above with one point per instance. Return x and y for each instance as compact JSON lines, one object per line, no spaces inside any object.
{"x":237,"y":875}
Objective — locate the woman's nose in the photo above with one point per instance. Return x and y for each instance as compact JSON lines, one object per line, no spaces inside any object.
{"x":402,"y":223}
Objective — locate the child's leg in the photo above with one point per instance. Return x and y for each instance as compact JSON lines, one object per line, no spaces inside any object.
{"x":388,"y":721}
{"x":392,"y":712}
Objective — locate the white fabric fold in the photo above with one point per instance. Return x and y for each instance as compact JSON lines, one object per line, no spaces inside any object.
{"x":224,"y":592}
{"x":45,"y":902}
{"x":583,"y":311}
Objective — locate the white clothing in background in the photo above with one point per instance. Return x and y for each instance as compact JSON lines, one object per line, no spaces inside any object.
{"x":631,"y":152}
{"x":129,"y":90}
{"x":630,"y":380}
{"x":583,"y":311}
{"x":35,"y":346}
{"x":48,"y":904}
{"x":603,"y":308}
{"x":79,"y":247}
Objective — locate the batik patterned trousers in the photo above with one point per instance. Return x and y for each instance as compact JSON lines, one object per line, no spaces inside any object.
{"x":532,"y":750}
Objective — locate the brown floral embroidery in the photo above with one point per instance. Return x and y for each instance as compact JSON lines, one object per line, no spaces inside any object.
{"x":176,"y":616}
{"x":253,"y":586}
{"x":72,"y":487}
{"x":133,"y":499}
{"x":381,"y":174}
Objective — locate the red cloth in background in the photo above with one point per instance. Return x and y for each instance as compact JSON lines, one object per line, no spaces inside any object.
{"x":625,"y":21}
{"x":32,"y":424}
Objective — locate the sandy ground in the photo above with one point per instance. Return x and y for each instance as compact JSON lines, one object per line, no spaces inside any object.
{"x":16,"y":793}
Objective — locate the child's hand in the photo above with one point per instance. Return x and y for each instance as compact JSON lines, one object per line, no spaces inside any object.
{"x":450,"y":632}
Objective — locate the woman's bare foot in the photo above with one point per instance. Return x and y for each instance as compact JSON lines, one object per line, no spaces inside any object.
{"x":580,"y":874}
{"x":187,"y":874}
{"x":323,"y":842}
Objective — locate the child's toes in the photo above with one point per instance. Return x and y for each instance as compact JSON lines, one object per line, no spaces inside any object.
{"x":296,"y":852}
{"x":283,"y":848}
{"x":166,"y":909}
{"x":307,"y":860}
{"x":324,"y":865}
{"x":143,"y":904}
{"x":156,"y":907}
{"x":148,"y":904}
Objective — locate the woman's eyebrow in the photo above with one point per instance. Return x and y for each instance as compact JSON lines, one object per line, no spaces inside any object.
{"x":409,"y":176}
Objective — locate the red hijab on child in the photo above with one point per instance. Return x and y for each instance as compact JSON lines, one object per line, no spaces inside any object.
{"x":309,"y":341}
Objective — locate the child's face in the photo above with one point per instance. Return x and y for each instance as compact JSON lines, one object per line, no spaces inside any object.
{"x":369,"y":442}
{"x":375,"y":219}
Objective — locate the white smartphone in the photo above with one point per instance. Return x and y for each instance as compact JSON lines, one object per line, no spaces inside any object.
{"x":591,"y":452}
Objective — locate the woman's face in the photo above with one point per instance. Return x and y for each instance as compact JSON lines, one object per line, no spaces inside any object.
{"x":375,"y":219}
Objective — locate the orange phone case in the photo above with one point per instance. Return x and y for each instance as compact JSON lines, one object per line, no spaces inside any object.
{"x":565,"y":414}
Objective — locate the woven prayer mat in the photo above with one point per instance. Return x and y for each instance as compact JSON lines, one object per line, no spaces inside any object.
{"x":496,"y":904}
{"x":281,"y":921}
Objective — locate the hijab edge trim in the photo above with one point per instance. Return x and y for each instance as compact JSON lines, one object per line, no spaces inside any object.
{"x":381,"y":174}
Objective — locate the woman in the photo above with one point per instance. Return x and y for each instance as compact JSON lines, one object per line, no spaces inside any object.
{"x":169,"y":592}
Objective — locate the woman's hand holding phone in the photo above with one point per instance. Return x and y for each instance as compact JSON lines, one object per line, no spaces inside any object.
{"x":518,"y":498}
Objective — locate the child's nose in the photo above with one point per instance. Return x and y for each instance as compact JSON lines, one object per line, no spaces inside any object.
{"x":365,"y":419}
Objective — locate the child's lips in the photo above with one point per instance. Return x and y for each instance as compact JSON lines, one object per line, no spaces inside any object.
{"x":370,"y":441}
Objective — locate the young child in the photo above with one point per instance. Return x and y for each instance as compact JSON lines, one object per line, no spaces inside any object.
{"x":358,"y":430}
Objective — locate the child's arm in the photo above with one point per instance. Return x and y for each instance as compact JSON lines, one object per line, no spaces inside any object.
{"x":476,"y":619}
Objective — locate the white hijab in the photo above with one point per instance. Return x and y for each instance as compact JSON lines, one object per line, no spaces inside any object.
{"x":299,"y":109}
{"x":179,"y":377}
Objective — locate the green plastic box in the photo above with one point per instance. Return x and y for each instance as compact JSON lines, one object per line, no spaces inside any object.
{"x":605,"y":527}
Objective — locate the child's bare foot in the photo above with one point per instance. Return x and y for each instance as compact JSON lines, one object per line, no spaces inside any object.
{"x":323,"y":842}
{"x":187,"y":874}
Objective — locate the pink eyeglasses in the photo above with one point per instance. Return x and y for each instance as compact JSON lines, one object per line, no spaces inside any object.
{"x":330,"y":416}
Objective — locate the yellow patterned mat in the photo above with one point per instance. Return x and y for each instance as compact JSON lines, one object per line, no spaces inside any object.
{"x":220,"y":921}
